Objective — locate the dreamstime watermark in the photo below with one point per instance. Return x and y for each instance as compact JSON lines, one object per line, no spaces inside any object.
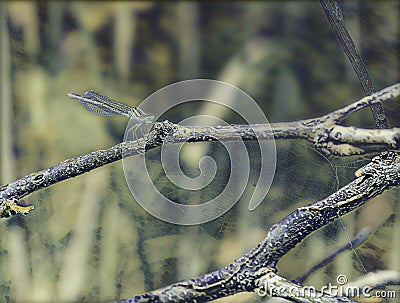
{"x":148,"y":195}
{"x":274,"y":289}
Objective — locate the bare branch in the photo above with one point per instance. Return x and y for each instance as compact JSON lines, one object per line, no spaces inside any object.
{"x":11,"y":193}
{"x":336,"y":21}
{"x":257,"y":267}
{"x":358,"y":240}
{"x":373,"y":281}
{"x":378,"y":279}
{"x":323,"y":132}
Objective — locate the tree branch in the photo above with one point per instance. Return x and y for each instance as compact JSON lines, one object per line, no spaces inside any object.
{"x":377,"y":279}
{"x":257,"y":268}
{"x":358,"y":240}
{"x":323,"y":132}
{"x":336,"y":21}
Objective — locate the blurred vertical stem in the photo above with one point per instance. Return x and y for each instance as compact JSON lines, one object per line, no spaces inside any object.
{"x":18,"y":264}
{"x":124,"y":38}
{"x":7,"y":167}
{"x":188,"y":36}
{"x":91,"y":53}
{"x":55,"y":24}
{"x":73,"y":275}
{"x":7,"y":171}
{"x":395,"y":260}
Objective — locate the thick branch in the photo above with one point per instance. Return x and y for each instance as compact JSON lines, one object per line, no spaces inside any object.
{"x":323,"y":132}
{"x":253,"y":270}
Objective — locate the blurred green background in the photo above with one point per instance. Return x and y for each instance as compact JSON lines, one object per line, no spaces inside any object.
{"x":87,"y":239}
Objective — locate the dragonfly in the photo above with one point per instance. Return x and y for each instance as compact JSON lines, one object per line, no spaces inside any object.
{"x":101,"y":105}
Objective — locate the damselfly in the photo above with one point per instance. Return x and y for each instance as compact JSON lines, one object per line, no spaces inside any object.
{"x":102,"y":105}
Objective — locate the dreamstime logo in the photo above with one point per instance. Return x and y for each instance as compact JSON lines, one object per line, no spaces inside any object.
{"x":143,"y":188}
{"x":274,"y":289}
{"x":341,"y":279}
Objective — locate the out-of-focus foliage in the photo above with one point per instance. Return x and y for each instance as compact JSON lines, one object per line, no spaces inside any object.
{"x":87,"y":239}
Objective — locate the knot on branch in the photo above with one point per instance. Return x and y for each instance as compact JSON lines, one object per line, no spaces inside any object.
{"x":330,"y":142}
{"x":160,"y":133}
{"x":384,"y":167}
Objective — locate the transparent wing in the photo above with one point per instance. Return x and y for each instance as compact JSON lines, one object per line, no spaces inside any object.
{"x":102,"y":105}
{"x":93,"y":105}
{"x":109,"y":104}
{"x":97,"y":109}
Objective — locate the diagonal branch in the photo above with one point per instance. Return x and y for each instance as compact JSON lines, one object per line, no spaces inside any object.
{"x":336,"y":21}
{"x":323,"y":132}
{"x":257,"y":268}
{"x":358,"y":240}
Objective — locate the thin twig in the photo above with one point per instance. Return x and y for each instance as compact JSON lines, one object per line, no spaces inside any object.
{"x":336,"y":21}
{"x":358,"y":239}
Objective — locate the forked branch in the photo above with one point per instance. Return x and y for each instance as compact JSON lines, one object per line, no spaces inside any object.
{"x":256,"y":270}
{"x":324,"y":132}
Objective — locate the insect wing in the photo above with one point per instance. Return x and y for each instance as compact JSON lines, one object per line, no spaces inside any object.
{"x":97,"y":109}
{"x":102,"y":105}
{"x":108,"y":104}
{"x":92,"y":105}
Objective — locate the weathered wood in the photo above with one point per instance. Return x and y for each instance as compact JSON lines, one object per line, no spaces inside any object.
{"x":324,"y":132}
{"x":257,"y":268}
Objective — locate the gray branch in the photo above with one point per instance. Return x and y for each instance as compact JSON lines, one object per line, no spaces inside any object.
{"x":377,"y":280}
{"x":256,"y":270}
{"x":338,"y":26}
{"x":358,"y":240}
{"x":256,"y":267}
{"x":324,"y":132}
